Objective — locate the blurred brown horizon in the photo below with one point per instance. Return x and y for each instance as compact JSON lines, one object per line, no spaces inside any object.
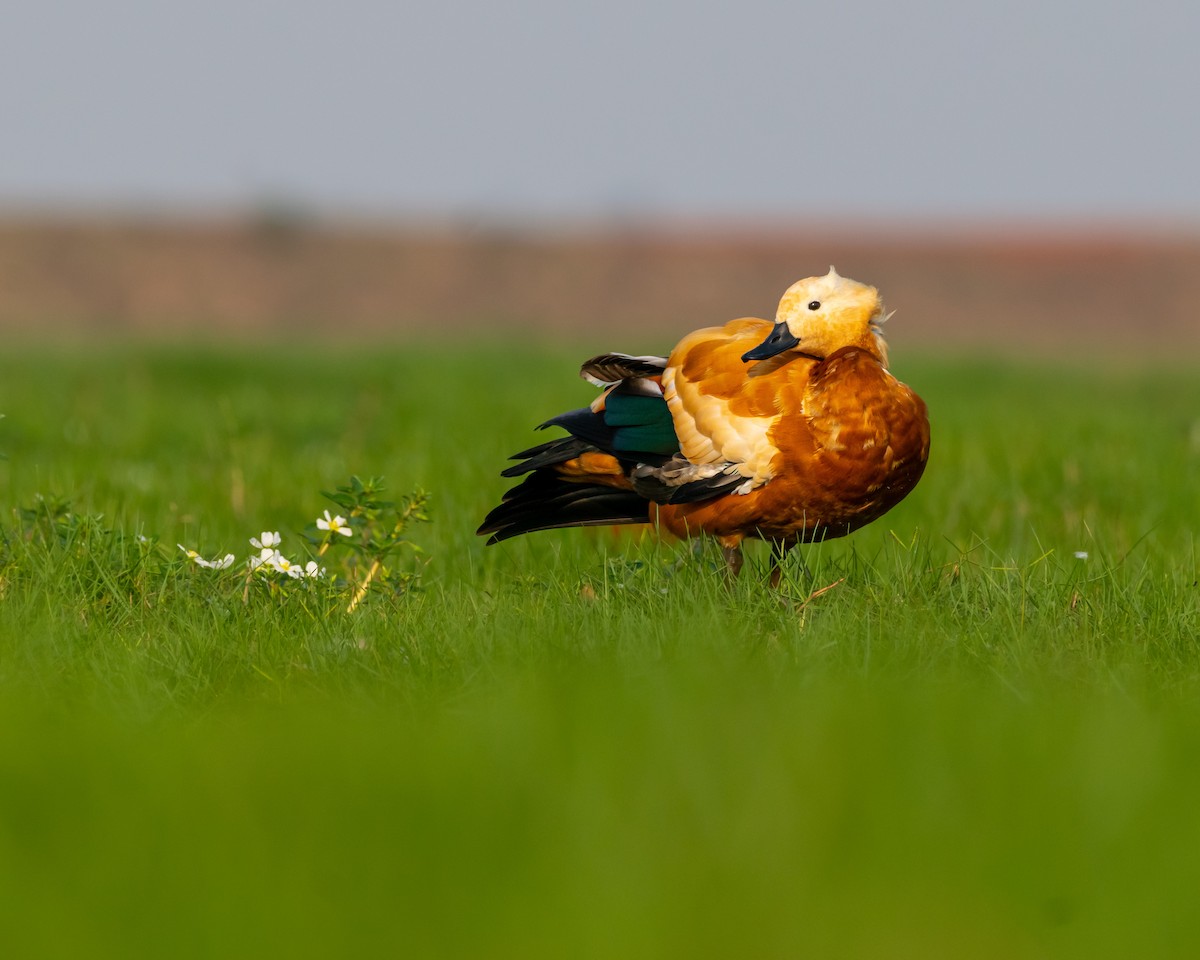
{"x":1114,"y":289}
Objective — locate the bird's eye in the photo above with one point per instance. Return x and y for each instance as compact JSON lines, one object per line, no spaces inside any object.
{"x":814,"y":305}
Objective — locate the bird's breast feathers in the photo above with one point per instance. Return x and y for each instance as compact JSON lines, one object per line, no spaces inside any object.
{"x":724,"y":408}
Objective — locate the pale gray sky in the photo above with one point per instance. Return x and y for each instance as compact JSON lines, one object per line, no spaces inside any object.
{"x":547,"y":108}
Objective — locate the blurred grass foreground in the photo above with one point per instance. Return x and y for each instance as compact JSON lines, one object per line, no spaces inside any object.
{"x":980,"y":742}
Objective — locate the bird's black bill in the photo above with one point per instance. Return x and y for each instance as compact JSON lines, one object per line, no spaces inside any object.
{"x":778,"y":340}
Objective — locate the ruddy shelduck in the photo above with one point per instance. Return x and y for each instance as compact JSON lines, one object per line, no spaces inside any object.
{"x":789,"y":432}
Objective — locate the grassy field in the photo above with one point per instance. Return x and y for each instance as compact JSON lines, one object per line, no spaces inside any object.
{"x":981,"y":741}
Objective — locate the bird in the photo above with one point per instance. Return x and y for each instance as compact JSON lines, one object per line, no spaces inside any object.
{"x":792,"y":431}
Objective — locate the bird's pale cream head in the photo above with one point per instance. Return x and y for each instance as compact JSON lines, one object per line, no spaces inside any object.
{"x":822,"y":314}
{"x":830,"y":312}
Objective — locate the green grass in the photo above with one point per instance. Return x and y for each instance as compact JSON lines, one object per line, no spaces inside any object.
{"x":575,"y":744}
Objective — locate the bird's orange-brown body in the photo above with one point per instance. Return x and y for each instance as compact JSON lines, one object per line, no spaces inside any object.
{"x":796,"y":429}
{"x":846,"y":440}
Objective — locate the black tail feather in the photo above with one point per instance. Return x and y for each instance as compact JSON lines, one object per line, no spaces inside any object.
{"x":545,"y":501}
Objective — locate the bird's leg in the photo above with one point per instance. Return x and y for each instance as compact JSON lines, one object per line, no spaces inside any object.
{"x":779,"y":551}
{"x":731,"y":547}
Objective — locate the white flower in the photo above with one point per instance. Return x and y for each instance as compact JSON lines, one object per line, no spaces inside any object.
{"x":333,"y":524}
{"x":312,"y":570}
{"x":269,"y":540}
{"x":282,"y":564}
{"x":225,"y":561}
{"x":269,"y":561}
{"x":1081,"y":555}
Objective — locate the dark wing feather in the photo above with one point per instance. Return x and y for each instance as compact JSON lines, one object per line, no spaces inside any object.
{"x":583,"y":424}
{"x":654,"y":488}
{"x":640,"y":424}
{"x":547,"y":454}
{"x":633,"y":426}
